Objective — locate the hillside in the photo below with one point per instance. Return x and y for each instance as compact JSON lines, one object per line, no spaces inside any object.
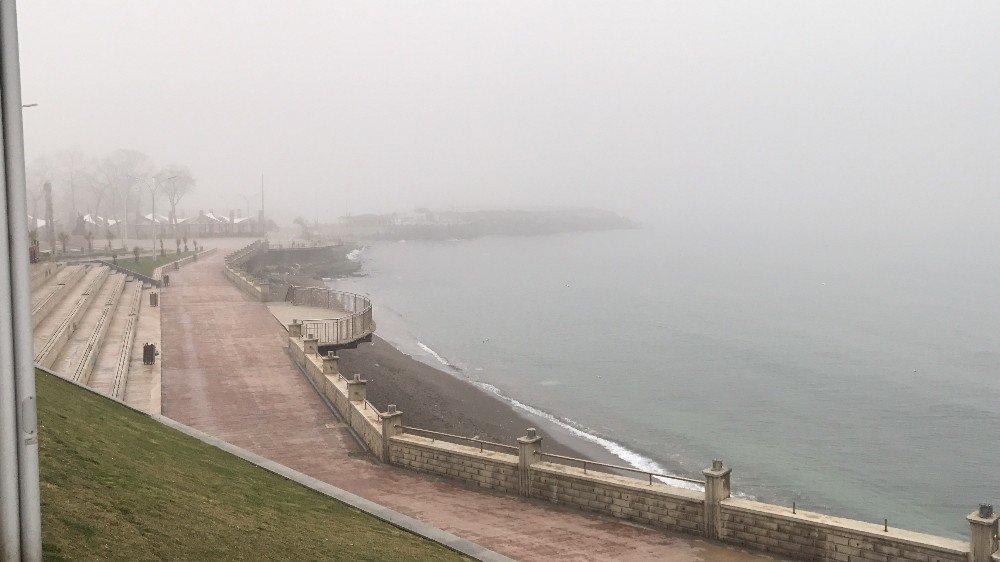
{"x":118,"y":485}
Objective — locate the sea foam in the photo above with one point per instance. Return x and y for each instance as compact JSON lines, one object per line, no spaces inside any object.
{"x":634,"y":459}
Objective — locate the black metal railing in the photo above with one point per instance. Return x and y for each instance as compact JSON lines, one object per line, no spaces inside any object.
{"x":480,"y":442}
{"x":585,"y":463}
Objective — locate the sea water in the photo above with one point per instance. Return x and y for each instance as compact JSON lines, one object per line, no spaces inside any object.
{"x":857,"y":376}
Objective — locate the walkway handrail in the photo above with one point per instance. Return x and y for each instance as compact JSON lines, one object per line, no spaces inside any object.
{"x":119,"y":269}
{"x":585,"y":463}
{"x":352,"y":327}
{"x":481,"y":442}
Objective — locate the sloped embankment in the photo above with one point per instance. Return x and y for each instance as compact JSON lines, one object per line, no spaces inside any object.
{"x":117,"y":484}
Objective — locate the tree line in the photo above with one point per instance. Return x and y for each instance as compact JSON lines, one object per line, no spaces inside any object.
{"x":123,"y":184}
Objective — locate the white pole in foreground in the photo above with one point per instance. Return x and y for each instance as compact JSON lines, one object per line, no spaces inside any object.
{"x":15,"y":296}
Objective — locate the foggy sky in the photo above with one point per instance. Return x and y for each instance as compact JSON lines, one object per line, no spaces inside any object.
{"x":840,"y":113}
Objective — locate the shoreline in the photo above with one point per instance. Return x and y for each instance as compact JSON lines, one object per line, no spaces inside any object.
{"x":433,"y":399}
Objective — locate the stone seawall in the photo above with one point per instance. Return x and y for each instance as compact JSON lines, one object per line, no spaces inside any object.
{"x":813,"y":536}
{"x":485,"y":469}
{"x":710,"y":513}
{"x":656,"y":505}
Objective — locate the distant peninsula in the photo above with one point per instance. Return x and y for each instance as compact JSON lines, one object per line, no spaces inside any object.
{"x":425,"y":224}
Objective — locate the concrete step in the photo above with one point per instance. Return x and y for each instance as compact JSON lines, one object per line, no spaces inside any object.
{"x":76,"y":359}
{"x":51,"y":293}
{"x":41,"y":273}
{"x":53,"y":332}
{"x":110,"y":374}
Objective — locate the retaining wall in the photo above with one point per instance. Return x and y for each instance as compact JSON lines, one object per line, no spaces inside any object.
{"x":656,"y":505}
{"x":158,"y":272}
{"x":238,"y":275}
{"x":360,"y":415}
{"x":813,"y":536}
{"x":485,"y":469}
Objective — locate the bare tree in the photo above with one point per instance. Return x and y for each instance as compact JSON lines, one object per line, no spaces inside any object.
{"x":117,"y":173}
{"x":175,"y":181}
{"x":88,"y":235}
{"x":38,"y":173}
{"x":74,"y":165}
{"x":63,"y":239}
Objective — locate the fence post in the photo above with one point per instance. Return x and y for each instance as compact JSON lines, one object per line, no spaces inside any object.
{"x":310,"y":345}
{"x":529,"y":451}
{"x":716,"y":490}
{"x":330,"y":363}
{"x":265,"y":291}
{"x":356,"y":389}
{"x":983,"y":533}
{"x":392,"y":425}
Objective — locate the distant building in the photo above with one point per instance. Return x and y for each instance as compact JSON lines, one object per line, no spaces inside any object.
{"x":150,"y":226}
{"x":210,"y":224}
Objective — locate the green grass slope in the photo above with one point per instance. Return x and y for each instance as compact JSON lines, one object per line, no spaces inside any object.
{"x":117,"y":485}
{"x":147,"y":264}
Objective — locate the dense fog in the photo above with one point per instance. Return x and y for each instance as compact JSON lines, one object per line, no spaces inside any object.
{"x":844,"y":116}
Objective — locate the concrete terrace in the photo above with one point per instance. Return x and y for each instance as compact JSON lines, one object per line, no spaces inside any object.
{"x":87,"y":320}
{"x":225,"y":372}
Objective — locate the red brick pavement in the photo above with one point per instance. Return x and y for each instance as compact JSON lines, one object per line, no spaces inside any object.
{"x":225,"y":372}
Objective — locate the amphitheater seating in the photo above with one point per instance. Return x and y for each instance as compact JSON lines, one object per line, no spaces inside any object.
{"x":85,"y":319}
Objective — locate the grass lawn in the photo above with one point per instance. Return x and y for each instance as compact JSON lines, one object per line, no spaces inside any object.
{"x":117,"y":485}
{"x":147,"y":264}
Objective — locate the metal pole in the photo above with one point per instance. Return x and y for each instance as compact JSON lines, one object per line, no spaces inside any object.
{"x":10,"y":525}
{"x":152,"y":217}
{"x":20,"y":289}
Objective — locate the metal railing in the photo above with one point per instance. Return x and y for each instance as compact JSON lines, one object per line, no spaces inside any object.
{"x":120,"y":269}
{"x":651,"y":475}
{"x":480,"y":442}
{"x":357,"y":325}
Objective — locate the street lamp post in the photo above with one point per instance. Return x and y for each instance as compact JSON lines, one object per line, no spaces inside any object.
{"x":20,"y":514}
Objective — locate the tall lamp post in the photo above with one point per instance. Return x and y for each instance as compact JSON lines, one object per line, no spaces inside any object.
{"x":20,"y":513}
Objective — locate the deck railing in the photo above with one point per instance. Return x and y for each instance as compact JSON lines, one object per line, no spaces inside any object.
{"x":356,"y":325}
{"x":614,"y":467}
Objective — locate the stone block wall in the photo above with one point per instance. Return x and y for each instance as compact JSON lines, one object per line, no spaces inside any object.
{"x":656,"y":505}
{"x":235,"y":272}
{"x":362,"y":417}
{"x":813,"y":536}
{"x":486,"y":469}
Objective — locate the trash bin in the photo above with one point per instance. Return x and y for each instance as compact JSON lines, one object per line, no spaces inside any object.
{"x":166,"y":280}
{"x":154,"y":299}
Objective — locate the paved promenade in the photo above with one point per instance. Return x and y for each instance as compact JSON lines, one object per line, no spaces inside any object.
{"x":225,"y":372}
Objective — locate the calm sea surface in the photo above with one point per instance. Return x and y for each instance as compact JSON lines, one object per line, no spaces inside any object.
{"x":859,"y":378}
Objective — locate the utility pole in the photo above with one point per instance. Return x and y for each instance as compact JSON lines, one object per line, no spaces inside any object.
{"x":50,"y":225}
{"x":263,"y":228}
{"x":20,"y":513}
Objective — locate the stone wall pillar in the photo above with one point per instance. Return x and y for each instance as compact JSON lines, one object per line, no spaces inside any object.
{"x":716,"y":489}
{"x":330,"y":366}
{"x":295,"y":329}
{"x":392,"y":425}
{"x":356,"y":389}
{"x":529,"y":451}
{"x":983,"y":533}
{"x":310,"y":345}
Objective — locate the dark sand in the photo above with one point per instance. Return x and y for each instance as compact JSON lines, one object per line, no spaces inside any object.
{"x":433,"y":399}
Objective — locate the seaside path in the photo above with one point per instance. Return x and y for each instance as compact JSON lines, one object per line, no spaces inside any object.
{"x":225,"y":372}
